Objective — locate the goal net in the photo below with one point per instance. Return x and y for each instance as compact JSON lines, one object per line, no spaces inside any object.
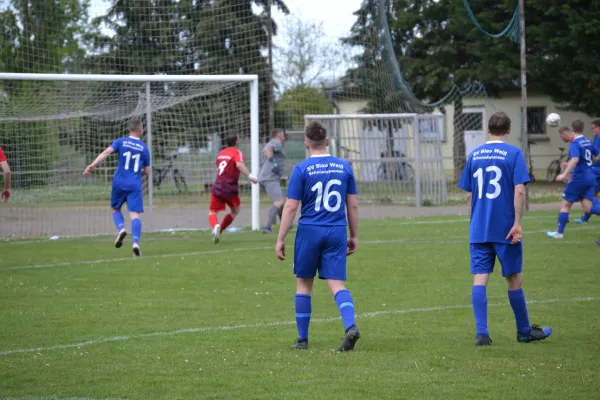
{"x":395,"y":157}
{"x":53,"y":126}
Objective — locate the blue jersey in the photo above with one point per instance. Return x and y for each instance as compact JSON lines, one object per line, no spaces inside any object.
{"x":321,"y":183}
{"x":133,"y":157}
{"x":596,"y":143}
{"x":582,"y":148}
{"x":491,"y":174}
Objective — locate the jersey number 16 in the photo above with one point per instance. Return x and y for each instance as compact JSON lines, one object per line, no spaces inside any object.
{"x":324,"y":196}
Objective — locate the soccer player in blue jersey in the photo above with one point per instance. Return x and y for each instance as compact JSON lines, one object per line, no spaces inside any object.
{"x":134,"y":159}
{"x":495,"y":177}
{"x":582,"y":183}
{"x":595,"y":168}
{"x":326,"y":188}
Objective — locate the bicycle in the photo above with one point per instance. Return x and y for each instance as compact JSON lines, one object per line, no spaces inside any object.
{"x":159,"y":174}
{"x":403,"y":171}
{"x":554,"y":169}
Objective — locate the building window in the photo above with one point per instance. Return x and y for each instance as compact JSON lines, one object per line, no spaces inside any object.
{"x":536,"y":120}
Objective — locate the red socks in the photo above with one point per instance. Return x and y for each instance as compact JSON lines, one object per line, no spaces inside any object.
{"x":213,"y":220}
{"x":226,"y":222}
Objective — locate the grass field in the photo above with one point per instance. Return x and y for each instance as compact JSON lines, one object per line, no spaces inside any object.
{"x":193,"y":320}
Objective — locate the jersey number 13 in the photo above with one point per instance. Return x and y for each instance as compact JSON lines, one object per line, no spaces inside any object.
{"x":493,"y":180}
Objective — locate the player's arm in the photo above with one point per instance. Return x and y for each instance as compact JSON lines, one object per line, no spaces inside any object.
{"x":270,"y":156}
{"x":101,"y":157}
{"x":352,"y":215}
{"x":287,"y":217}
{"x":244,"y":170}
{"x":469,"y":199}
{"x":294,"y":194}
{"x":6,"y":170}
{"x":146,"y":170}
{"x":570,"y":166}
{"x":516,"y":232}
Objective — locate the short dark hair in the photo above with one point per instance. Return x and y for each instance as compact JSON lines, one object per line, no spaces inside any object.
{"x":499,"y":123}
{"x":276,"y":132}
{"x":316,"y":132}
{"x":596,"y":122}
{"x":577,"y":126}
{"x":564,"y":129}
{"x":231,"y":140}
{"x":135,"y":125}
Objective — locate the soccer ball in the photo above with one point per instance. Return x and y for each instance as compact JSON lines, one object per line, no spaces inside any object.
{"x":553,"y":119}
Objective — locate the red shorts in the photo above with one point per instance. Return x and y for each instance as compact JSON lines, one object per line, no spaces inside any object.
{"x":218,"y":204}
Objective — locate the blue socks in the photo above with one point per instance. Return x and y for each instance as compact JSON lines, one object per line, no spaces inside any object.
{"x":563,"y":219}
{"x":343,"y":299}
{"x":480,"y":309}
{"x":586,"y":217}
{"x":136,"y":229}
{"x":118,"y":219}
{"x":519,"y":306}
{"x":303,"y":311}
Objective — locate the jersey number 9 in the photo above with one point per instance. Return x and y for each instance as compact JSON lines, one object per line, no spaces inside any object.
{"x":324,"y":196}
{"x":222,"y":166}
{"x":588,"y":157}
{"x":493,"y":181}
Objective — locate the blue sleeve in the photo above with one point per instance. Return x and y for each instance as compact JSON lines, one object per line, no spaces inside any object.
{"x":351,"y":189}
{"x":574,"y":150}
{"x":596,"y":146}
{"x":146,"y":157}
{"x":116,"y":145}
{"x":296,"y":185}
{"x":520,"y":172}
{"x":465,"y":179}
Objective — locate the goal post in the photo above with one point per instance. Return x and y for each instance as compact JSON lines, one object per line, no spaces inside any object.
{"x":52,"y":125}
{"x":396,"y":158}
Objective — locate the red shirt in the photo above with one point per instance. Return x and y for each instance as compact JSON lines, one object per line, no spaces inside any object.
{"x":226,"y":164}
{"x":2,"y":155}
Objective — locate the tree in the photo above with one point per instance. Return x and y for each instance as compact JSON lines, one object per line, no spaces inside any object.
{"x":189,"y":37}
{"x":304,"y":56}
{"x":293,"y":104}
{"x":36,"y":36}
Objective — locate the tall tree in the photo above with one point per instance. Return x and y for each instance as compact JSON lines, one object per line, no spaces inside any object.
{"x":304,"y":56}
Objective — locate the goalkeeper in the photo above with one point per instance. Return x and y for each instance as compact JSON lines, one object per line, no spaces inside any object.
{"x":270,"y":176}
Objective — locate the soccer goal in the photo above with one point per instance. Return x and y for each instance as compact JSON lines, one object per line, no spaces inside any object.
{"x":396,"y":158}
{"x":53,"y":125}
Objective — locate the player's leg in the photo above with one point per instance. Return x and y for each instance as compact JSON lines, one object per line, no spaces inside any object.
{"x":306,"y":264}
{"x":273,"y":189}
{"x":234,"y":210}
{"x":511,"y":259}
{"x":117,"y":199}
{"x":563,"y":215}
{"x":333,"y":268}
{"x":594,"y":203}
{"x":303,"y":307}
{"x":483,"y":258}
{"x":135,"y":206}
{"x":216,"y":205}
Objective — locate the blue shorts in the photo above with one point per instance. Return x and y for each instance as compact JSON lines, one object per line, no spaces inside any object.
{"x":133,"y":198}
{"x":483,"y":258}
{"x":596,"y":171}
{"x":322,"y":249}
{"x":578,"y":190}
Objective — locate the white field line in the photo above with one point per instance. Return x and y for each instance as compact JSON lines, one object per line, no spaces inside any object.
{"x":271,"y":324}
{"x":55,"y":398}
{"x":444,"y":240}
{"x":374,"y":222}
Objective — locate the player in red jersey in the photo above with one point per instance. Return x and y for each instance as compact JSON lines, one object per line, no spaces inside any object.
{"x":224,"y":192}
{"x":6,"y":169}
